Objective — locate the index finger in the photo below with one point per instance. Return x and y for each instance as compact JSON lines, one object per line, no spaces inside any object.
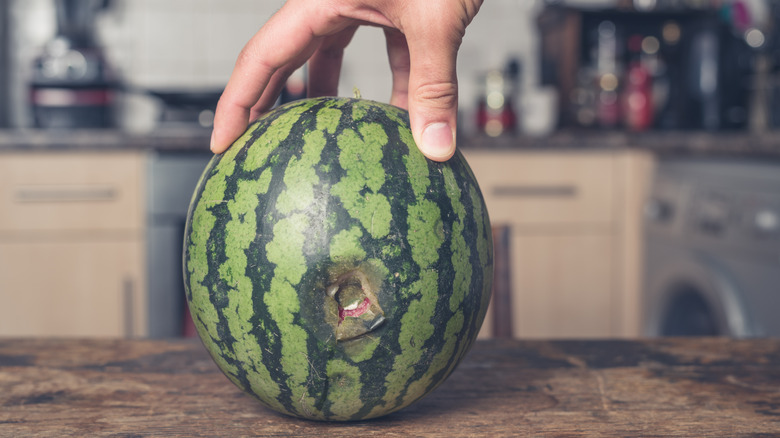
{"x":284,"y":43}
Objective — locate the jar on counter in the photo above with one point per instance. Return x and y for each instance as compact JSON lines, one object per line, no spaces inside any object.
{"x":496,"y":109}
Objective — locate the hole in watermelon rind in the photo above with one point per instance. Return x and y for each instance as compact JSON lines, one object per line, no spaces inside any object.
{"x":358,"y":308}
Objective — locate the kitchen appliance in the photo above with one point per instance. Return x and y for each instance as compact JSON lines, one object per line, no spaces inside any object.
{"x":187,"y":108}
{"x":72,"y":84}
{"x":713,"y":249}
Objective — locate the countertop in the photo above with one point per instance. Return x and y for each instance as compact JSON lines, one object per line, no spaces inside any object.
{"x":661,"y":143}
{"x":664,"y":387}
{"x":173,"y":139}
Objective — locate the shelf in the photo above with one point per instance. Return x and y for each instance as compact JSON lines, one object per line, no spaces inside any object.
{"x":662,"y":143}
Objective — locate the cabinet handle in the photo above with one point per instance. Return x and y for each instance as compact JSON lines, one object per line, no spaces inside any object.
{"x":128,"y":298}
{"x":536,"y":191}
{"x":44,"y":194}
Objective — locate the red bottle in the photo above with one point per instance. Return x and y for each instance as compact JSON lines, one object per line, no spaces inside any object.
{"x":638,"y":91}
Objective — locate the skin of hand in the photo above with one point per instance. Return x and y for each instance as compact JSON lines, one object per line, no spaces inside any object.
{"x":423,"y":38}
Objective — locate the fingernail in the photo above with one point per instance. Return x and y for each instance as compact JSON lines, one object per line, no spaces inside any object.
{"x":438,"y":140}
{"x":211,"y":143}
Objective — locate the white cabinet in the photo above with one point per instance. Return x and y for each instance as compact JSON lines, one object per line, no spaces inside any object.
{"x":574,"y":222}
{"x":72,"y":244}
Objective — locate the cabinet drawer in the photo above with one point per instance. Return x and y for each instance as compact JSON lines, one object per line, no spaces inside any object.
{"x":71,"y":191}
{"x":91,"y":288}
{"x":534,"y":188}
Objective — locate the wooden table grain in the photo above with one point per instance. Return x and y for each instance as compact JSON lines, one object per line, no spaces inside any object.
{"x":664,"y":387}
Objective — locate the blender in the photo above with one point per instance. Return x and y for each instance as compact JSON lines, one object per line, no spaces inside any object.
{"x":72,"y":85}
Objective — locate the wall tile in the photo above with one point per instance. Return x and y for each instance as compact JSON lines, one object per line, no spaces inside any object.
{"x":195,"y":43}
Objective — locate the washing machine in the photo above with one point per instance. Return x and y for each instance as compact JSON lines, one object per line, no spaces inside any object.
{"x":712,"y":249}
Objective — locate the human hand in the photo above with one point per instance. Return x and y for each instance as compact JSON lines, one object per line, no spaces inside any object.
{"x":423,"y":38}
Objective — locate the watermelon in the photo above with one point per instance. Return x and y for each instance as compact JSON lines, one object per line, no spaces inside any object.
{"x":331,"y":270}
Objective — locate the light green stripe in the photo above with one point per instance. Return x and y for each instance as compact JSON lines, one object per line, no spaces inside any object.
{"x":460,"y":288}
{"x":286,"y":252}
{"x":240,"y":232}
{"x":278,"y":131}
{"x":425,"y":235}
{"x":343,"y":389}
{"x":426,"y":232}
{"x":360,"y":109}
{"x":205,"y":316}
{"x":439,"y":361}
{"x":364,"y":174}
{"x":300,"y":177}
{"x":416,"y":164}
{"x":328,"y":120}
{"x":345,"y":246}
{"x":286,"y":248}
{"x":460,"y":250}
{"x":416,"y":328}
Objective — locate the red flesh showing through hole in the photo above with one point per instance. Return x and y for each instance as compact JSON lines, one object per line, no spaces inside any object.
{"x":359,"y":310}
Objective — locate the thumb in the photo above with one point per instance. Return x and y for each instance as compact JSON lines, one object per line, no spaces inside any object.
{"x":433,"y":90}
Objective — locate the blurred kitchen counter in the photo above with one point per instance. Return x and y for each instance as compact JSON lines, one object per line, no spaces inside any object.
{"x":163,"y":139}
{"x":660,"y":143}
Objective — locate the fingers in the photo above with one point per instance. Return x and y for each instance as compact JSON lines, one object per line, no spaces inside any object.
{"x":433,"y":90}
{"x":398,"y":55}
{"x":277,"y":83}
{"x":423,"y":38}
{"x":282,"y":45}
{"x":433,"y":31}
{"x":233,"y":109}
{"x":325,"y":63}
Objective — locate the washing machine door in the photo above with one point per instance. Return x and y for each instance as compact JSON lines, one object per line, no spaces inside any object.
{"x":694,"y":296}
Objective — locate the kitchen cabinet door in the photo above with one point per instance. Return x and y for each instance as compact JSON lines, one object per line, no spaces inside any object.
{"x":546,"y":189}
{"x":575,"y":220}
{"x":68,"y":287}
{"x":562,"y":285}
{"x":46,"y":192}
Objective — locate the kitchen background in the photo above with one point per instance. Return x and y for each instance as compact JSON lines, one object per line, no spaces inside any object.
{"x":627,"y":150}
{"x":193,"y":45}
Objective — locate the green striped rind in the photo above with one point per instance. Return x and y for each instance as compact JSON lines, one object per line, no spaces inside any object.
{"x":315,"y":189}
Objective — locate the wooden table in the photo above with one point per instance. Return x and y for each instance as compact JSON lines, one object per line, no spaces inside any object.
{"x":666,"y":387}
